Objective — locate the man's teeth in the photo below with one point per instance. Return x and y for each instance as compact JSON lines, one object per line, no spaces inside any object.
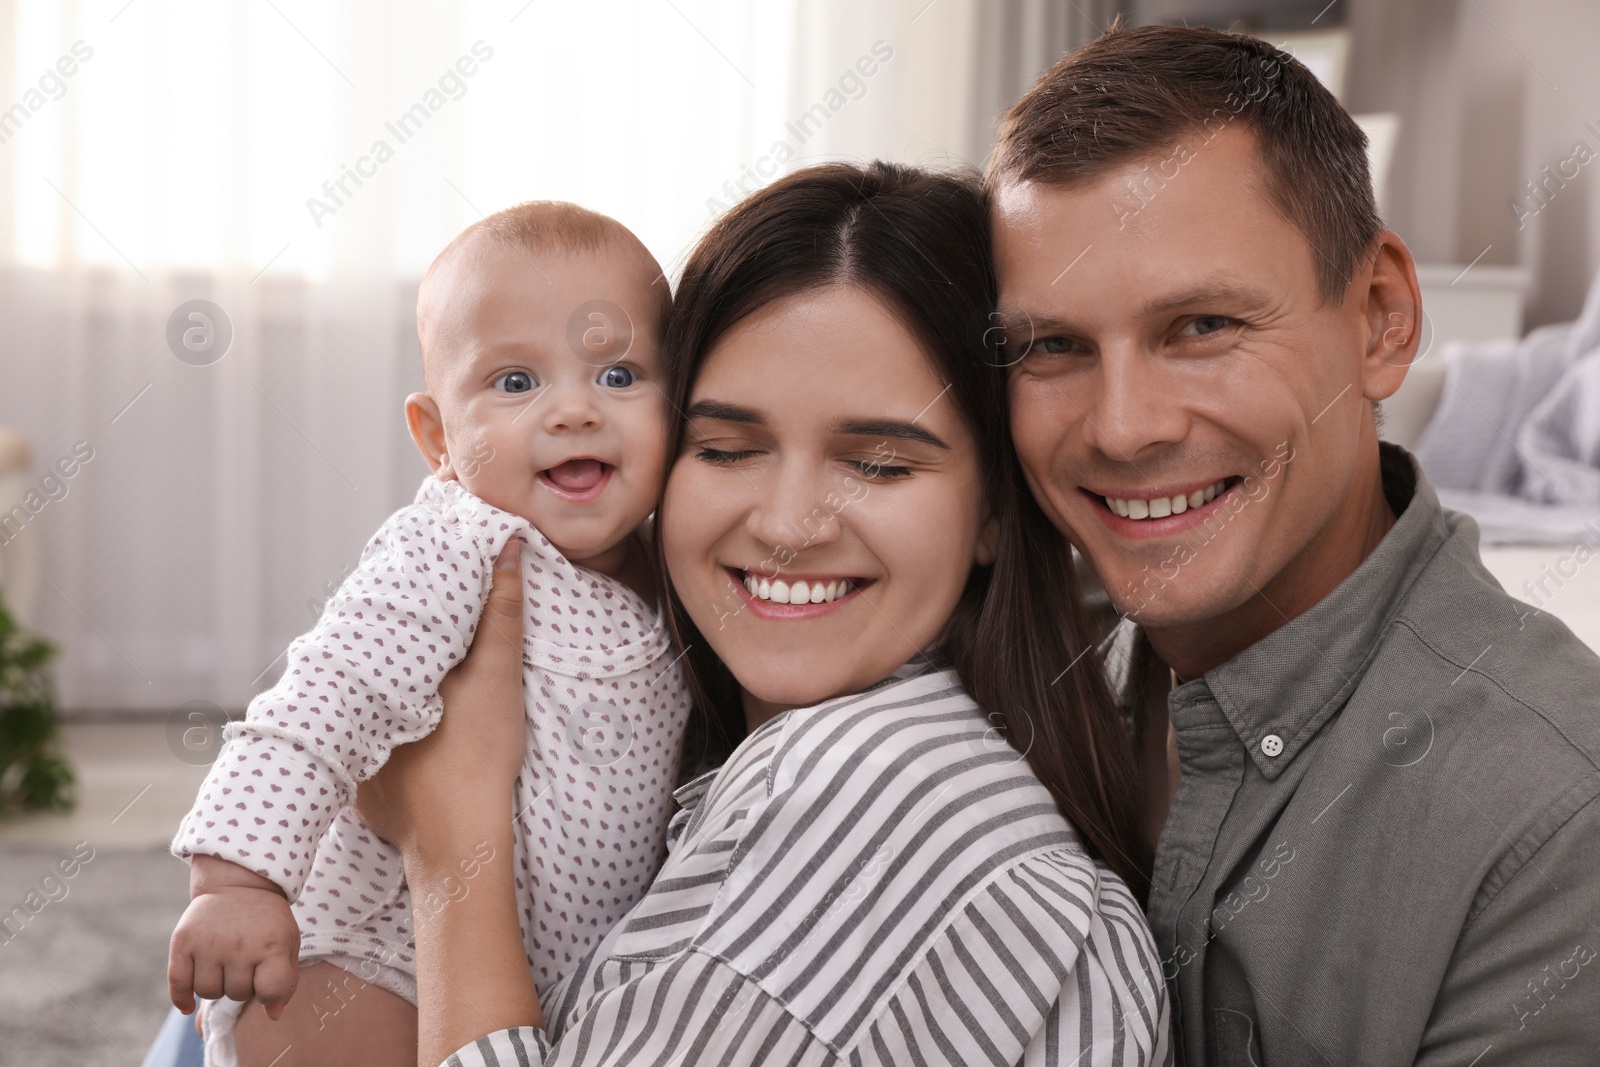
{"x":801,"y":592}
{"x":1162,"y":506}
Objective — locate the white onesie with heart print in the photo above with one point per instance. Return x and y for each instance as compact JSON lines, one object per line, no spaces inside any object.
{"x":606,"y":706}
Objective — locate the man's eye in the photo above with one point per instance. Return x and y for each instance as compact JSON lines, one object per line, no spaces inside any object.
{"x":617,"y":378}
{"x":1201,"y":325}
{"x":516,"y":381}
{"x":1049,"y":346}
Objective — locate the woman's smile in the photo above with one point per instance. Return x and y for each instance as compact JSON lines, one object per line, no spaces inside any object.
{"x":790,"y":596}
{"x":851,"y":511}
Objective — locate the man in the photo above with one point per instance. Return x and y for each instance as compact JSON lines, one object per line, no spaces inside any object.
{"x":1384,"y":847}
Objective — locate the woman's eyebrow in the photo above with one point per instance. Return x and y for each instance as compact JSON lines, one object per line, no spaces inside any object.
{"x":722,"y":411}
{"x":891,"y":428}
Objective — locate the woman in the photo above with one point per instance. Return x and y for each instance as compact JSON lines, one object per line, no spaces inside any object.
{"x":869,"y":598}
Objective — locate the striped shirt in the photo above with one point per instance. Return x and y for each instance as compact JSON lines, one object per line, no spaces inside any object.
{"x":879,"y":879}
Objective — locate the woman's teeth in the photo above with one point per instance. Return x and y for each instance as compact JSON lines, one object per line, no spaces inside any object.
{"x":1162,"y":506}
{"x":801,"y":592}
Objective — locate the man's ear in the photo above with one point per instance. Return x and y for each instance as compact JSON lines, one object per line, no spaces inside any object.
{"x":427,"y":430}
{"x":988,"y":541}
{"x":1393,"y":317}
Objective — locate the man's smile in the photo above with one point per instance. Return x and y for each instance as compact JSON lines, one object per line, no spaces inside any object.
{"x":1146,"y":505}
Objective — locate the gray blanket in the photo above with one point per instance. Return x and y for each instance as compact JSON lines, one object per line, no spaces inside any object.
{"x":1515,"y":441}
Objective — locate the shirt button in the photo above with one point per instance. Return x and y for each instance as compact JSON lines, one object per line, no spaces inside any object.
{"x":1271,"y":745}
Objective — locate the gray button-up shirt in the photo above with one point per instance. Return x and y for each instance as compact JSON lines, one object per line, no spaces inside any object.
{"x":1385,"y":848}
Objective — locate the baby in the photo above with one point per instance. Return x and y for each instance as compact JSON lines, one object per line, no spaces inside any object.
{"x":542,"y":421}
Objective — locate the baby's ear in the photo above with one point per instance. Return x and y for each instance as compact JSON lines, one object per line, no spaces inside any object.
{"x":427,"y":430}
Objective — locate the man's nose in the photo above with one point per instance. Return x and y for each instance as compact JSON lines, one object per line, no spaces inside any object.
{"x":1135,"y":403}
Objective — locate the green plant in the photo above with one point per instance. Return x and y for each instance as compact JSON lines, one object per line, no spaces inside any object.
{"x":34,"y":776}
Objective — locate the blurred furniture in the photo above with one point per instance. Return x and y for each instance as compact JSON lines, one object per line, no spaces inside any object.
{"x":19,"y":548}
{"x":1471,"y":303}
{"x":1553,"y":581}
{"x":1325,"y":53}
{"x":1383,"y":130}
{"x":1480,"y":304}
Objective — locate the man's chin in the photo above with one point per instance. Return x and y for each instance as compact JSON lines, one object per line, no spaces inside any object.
{"x":1158,"y":603}
{"x":1161,"y":616}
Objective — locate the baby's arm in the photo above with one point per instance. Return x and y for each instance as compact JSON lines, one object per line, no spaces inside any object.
{"x":363,"y":681}
{"x":237,"y":939}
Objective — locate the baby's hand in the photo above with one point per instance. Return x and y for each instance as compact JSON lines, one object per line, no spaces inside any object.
{"x":237,"y":939}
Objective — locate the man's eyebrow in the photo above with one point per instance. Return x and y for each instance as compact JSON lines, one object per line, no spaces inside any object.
{"x":722,"y":411}
{"x":1019,"y":320}
{"x":1225,"y":293}
{"x":891,"y":428}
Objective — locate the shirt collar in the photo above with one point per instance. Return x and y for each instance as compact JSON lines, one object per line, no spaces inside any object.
{"x":690,"y":793}
{"x":1293,"y":680}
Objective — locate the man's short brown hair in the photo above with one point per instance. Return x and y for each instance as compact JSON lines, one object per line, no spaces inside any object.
{"x":1134,"y":93}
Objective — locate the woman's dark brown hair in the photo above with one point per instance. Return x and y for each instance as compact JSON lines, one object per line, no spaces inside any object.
{"x":919,"y":241}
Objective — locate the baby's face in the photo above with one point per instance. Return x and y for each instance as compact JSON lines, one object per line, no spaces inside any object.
{"x":546,"y":369}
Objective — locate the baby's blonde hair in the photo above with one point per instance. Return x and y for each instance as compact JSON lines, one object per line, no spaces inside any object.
{"x":544,"y":227}
{"x":554,"y":226}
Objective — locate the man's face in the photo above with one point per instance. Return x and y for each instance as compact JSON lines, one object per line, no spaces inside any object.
{"x":1188,"y":411}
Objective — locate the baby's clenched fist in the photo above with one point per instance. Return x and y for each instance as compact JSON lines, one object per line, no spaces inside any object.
{"x":237,"y":939}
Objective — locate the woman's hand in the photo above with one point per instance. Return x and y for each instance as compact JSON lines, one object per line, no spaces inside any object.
{"x":434,"y":791}
{"x":446,"y":802}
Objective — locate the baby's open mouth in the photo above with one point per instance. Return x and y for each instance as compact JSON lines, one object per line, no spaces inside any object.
{"x":577,"y":477}
{"x":798,"y":590}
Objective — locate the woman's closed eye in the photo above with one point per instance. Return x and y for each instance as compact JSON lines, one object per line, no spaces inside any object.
{"x":876,"y":468}
{"x":722,"y":456}
{"x":517,"y":381}
{"x":873,"y":467}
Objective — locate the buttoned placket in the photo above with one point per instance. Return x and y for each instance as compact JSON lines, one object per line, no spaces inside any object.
{"x":1212,"y":762}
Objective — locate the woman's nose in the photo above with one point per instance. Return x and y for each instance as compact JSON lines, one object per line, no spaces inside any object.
{"x":796,"y":507}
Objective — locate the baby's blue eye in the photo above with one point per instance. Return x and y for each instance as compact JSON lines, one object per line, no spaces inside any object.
{"x":515,"y":382}
{"x":617,"y":378}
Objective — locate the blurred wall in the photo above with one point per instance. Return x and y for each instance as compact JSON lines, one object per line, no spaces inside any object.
{"x":1490,"y":93}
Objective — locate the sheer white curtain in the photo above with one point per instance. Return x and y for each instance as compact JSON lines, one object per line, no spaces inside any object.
{"x":297,"y":164}
{"x":956,"y":64}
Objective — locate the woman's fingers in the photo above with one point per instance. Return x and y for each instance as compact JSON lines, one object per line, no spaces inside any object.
{"x":377,"y":807}
{"x":505,"y":595}
{"x":497,"y":646}
{"x":481,"y":738}
{"x":483,"y":728}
